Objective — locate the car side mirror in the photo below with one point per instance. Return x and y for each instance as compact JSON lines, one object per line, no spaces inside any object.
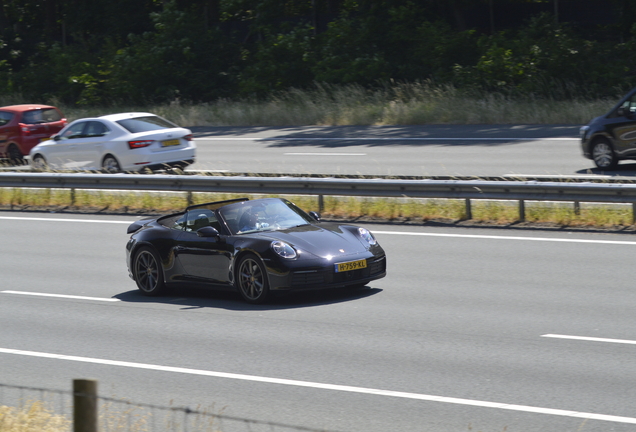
{"x":315,"y":215}
{"x":56,"y":137}
{"x":208,"y":231}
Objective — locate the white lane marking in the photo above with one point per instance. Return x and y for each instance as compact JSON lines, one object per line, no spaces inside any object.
{"x":325,"y":154}
{"x":545,"y":239}
{"x":382,"y":139}
{"x":591,"y":339}
{"x":333,"y":387}
{"x":488,"y":237}
{"x":64,"y":220}
{"x":60,"y":296}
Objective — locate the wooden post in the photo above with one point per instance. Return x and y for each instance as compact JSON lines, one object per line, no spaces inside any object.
{"x":469,"y":210}
{"x":84,"y":405}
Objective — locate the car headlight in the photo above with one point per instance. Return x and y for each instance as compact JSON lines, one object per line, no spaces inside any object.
{"x":583,"y":131}
{"x":367,"y":236}
{"x":283,"y":249}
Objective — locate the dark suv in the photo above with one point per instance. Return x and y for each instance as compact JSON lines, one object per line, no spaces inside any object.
{"x":612,"y":137}
{"x":22,"y":127}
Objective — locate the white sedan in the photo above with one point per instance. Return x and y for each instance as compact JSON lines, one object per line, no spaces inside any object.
{"x":128,"y":142}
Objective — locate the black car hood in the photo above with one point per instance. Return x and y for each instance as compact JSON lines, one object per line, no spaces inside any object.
{"x":324,"y":240}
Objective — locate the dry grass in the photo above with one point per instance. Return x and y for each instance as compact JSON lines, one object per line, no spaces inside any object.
{"x":335,"y":207}
{"x":33,"y":417}
{"x":400,"y":104}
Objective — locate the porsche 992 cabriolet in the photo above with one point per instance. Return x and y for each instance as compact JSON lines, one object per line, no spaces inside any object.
{"x":256,"y":247}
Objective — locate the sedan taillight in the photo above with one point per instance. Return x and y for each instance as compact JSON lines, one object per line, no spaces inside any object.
{"x":139,"y":144}
{"x":188,"y":137}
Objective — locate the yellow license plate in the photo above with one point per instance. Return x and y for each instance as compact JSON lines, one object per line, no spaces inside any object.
{"x":348,"y":266}
{"x":169,"y":143}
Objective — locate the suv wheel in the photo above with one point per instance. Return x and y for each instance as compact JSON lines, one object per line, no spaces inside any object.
{"x":603,"y":155}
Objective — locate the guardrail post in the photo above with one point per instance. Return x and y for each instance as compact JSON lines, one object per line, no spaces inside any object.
{"x":189,"y":199}
{"x":577,"y":208}
{"x":633,"y":213}
{"x":84,"y":405}
{"x":72,"y":197}
{"x":321,"y":203}
{"x":522,"y":211}
{"x":469,"y":210}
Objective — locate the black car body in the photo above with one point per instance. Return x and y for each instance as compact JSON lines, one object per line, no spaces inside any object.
{"x":612,"y":137}
{"x":255,"y":247}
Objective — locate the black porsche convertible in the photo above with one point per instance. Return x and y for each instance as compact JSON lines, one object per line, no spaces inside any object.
{"x":253,"y":246}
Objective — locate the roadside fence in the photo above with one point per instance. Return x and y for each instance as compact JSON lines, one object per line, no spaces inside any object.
{"x":30,"y":409}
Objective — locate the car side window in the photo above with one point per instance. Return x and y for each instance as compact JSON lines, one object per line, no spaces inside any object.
{"x":629,"y":106}
{"x":96,"y":129}
{"x":32,"y":117}
{"x":5,"y":117}
{"x":199,"y":218}
{"x":180,"y":223}
{"x":75,"y":131}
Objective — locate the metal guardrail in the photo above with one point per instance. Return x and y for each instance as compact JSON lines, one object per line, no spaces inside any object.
{"x":451,"y":189}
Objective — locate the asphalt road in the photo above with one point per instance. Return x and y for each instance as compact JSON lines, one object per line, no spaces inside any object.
{"x":473,"y":329}
{"x":433,"y":150}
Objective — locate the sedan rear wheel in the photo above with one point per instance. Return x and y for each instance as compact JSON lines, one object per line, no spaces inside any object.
{"x":603,"y":155}
{"x":252,"y":280}
{"x":148,"y":272}
{"x":110,"y":164}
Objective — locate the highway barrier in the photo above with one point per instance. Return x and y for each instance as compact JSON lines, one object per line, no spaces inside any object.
{"x":468,"y":190}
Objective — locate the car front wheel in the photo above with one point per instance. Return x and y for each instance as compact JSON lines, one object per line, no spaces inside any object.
{"x":252,"y":280}
{"x":148,"y":272}
{"x":39,"y":163}
{"x":603,"y":155}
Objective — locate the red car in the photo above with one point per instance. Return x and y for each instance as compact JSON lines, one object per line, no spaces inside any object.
{"x":22,"y":127}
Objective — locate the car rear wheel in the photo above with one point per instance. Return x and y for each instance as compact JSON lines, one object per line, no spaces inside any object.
{"x":39,"y":163}
{"x":252,"y":280}
{"x":148,"y":272}
{"x":603,"y":155}
{"x":110,"y":165}
{"x":15,"y":156}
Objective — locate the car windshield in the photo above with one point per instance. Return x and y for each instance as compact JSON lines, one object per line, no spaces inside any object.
{"x":146,"y":124}
{"x":269,"y":214}
{"x":5,"y":117}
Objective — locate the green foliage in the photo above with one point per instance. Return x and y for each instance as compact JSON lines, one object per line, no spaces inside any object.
{"x":92,"y":54}
{"x":181,"y":58}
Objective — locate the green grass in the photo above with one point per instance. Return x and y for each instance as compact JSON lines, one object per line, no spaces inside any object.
{"x":399,"y":210}
{"x":400,"y":104}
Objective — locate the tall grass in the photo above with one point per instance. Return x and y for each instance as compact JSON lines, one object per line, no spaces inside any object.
{"x":397,"y":104}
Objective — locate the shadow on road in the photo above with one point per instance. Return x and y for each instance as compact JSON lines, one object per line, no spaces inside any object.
{"x":622,"y":170}
{"x":351,"y":136}
{"x":197,"y":298}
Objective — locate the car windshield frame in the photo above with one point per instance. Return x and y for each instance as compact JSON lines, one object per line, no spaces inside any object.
{"x":273,"y":214}
{"x":145,"y":124}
